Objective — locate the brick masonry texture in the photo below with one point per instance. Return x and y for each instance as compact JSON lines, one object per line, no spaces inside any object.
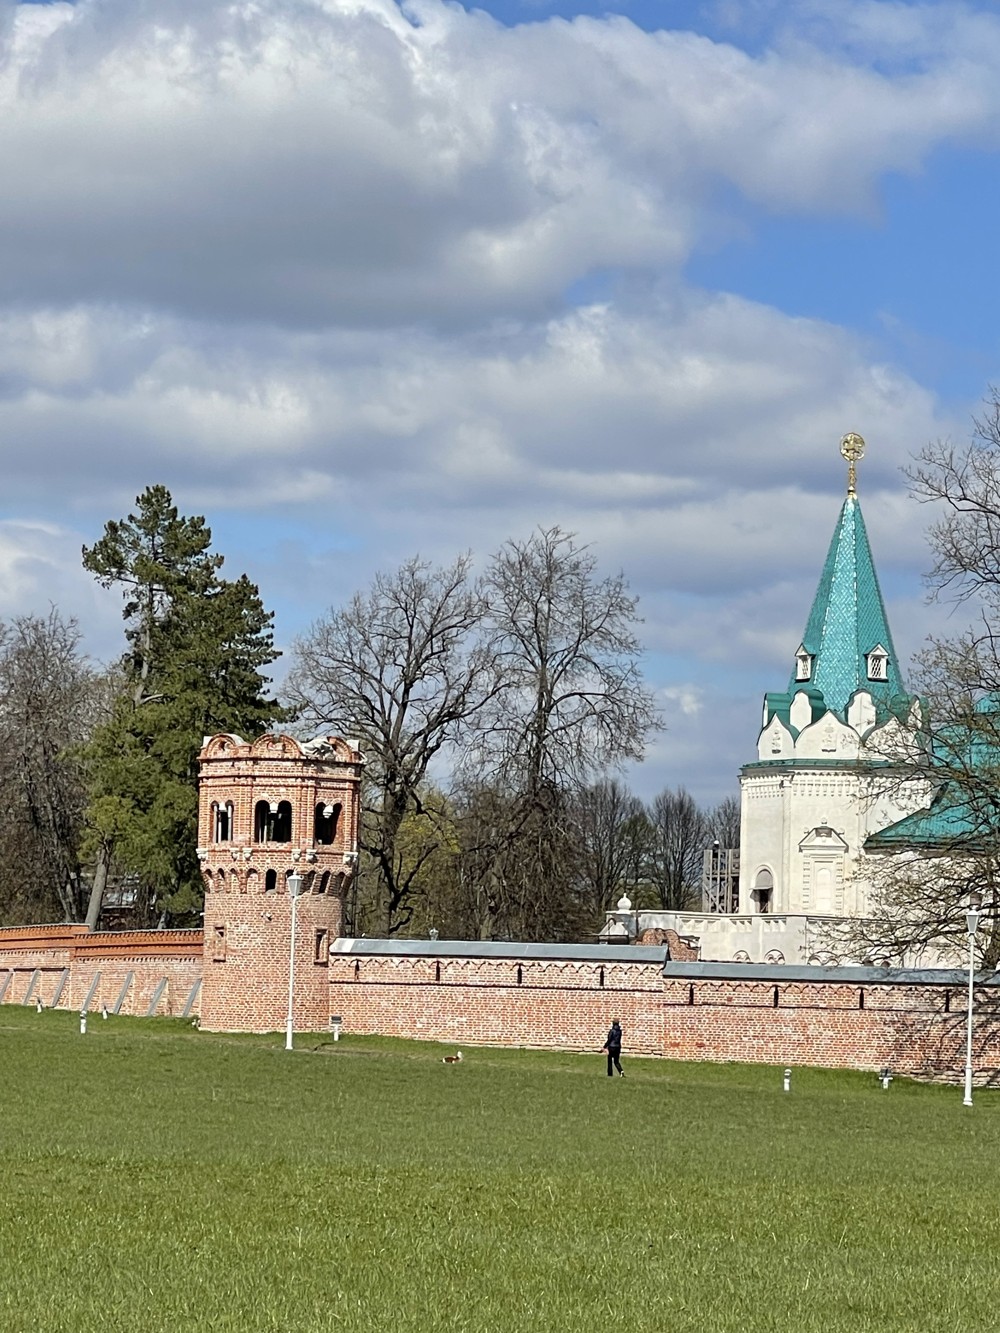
{"x":65,"y":961}
{"x":248,"y":909}
{"x":466,"y":995}
{"x":474,"y":1000}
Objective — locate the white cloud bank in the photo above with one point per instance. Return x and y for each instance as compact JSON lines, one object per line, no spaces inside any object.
{"x":316,"y":258}
{"x":350,"y":161}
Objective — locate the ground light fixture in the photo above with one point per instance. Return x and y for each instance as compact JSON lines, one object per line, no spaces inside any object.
{"x":294,"y":882}
{"x":971,"y":925}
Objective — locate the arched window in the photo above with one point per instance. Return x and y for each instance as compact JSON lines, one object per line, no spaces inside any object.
{"x":282,"y":826}
{"x":324,"y":881}
{"x":763,"y":890}
{"x":271,"y":882}
{"x":272,"y":821}
{"x":223,"y":830}
{"x":208,"y":881}
{"x":325,"y":823}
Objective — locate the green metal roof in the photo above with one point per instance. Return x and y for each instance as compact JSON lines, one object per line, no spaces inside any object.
{"x":848,"y":621}
{"x":948,"y":823}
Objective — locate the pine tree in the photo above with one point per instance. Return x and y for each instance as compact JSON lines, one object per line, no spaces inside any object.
{"x":197,"y":648}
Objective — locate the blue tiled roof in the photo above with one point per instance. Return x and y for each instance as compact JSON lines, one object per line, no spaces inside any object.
{"x":848,"y":621}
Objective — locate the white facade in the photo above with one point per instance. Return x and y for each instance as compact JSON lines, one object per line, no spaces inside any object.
{"x":809,"y":803}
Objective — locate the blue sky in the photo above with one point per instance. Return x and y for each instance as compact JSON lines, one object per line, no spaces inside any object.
{"x":358,"y":281}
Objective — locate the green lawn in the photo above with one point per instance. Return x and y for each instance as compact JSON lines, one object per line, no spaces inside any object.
{"x":154,"y":1177}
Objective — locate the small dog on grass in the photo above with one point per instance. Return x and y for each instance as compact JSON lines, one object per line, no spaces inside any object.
{"x":452,"y":1059}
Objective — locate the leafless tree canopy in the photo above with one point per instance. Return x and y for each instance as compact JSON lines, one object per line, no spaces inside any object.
{"x":611,"y":833}
{"x":680,"y":834}
{"x":572,"y":701}
{"x":47,"y":700}
{"x":402,"y":668}
{"x":523,"y":686}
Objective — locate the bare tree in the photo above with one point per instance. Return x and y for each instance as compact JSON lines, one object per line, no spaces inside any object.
{"x":723,"y":822}
{"x":401,"y":668}
{"x":573,"y":702}
{"x":571,"y":705}
{"x":46,"y":697}
{"x":679,"y":835}
{"x":612,"y":835}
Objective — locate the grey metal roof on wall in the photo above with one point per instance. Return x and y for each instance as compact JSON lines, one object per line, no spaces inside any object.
{"x":580,"y":953}
{"x":848,"y":976}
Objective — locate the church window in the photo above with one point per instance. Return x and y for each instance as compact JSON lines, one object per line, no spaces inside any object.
{"x":803,"y":664}
{"x":878,"y":664}
{"x":762,"y":890}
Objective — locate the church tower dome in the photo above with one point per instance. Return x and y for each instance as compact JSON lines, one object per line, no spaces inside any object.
{"x":817,"y":788}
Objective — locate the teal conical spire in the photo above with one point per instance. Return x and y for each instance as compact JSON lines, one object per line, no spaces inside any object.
{"x":847,"y":623}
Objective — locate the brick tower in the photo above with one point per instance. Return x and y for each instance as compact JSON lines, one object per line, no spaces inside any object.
{"x":267,"y":810}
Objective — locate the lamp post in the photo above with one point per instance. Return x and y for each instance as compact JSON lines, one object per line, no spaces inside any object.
{"x":294,"y":882}
{"x":971,"y":925}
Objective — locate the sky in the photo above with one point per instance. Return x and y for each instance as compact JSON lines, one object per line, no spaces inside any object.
{"x":359,"y":280}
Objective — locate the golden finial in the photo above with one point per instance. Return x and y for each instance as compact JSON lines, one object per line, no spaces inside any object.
{"x":853,"y":448}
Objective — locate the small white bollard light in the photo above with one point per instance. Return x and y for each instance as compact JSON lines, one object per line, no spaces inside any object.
{"x":787,"y":1081}
{"x":336,"y":1023}
{"x":104,"y":1011}
{"x":83,"y":1022}
{"x":38,"y":1004}
{"x":886,"y":1077}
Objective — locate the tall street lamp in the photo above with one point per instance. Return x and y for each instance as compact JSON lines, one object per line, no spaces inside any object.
{"x":971,"y":925}
{"x":294,"y":882}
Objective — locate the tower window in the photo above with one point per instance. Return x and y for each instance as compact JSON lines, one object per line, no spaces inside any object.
{"x":326,"y":820}
{"x":803,"y":664}
{"x":272,"y":821}
{"x":878,"y":664}
{"x":223,"y":822}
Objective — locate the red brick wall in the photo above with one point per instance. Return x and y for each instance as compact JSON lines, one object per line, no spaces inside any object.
{"x":479,"y":1001}
{"x":246,"y":966}
{"x":151,"y":956}
{"x":470,"y":1000}
{"x":912,"y":1029}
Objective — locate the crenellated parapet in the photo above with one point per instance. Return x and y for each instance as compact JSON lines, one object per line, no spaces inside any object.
{"x":270,"y":810}
{"x":272,"y":806}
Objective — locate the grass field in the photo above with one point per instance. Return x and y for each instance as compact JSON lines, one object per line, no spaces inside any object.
{"x":154,"y":1177}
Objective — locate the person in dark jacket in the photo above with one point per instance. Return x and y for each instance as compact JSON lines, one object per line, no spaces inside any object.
{"x":613,"y":1046}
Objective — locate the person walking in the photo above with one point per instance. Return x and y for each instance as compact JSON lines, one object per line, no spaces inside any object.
{"x":613,"y":1046}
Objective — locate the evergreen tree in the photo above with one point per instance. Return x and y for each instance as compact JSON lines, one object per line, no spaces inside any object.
{"x":197,"y":648}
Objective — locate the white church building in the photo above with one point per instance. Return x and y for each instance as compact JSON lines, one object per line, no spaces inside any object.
{"x":823,"y":779}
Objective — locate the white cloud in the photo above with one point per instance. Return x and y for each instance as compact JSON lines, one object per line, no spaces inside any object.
{"x":307,"y":262}
{"x":350,"y":161}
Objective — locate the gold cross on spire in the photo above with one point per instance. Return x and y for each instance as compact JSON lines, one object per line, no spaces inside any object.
{"x":853,"y":448}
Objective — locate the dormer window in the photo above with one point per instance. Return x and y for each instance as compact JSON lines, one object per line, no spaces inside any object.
{"x":878,"y":664}
{"x":803,"y":664}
